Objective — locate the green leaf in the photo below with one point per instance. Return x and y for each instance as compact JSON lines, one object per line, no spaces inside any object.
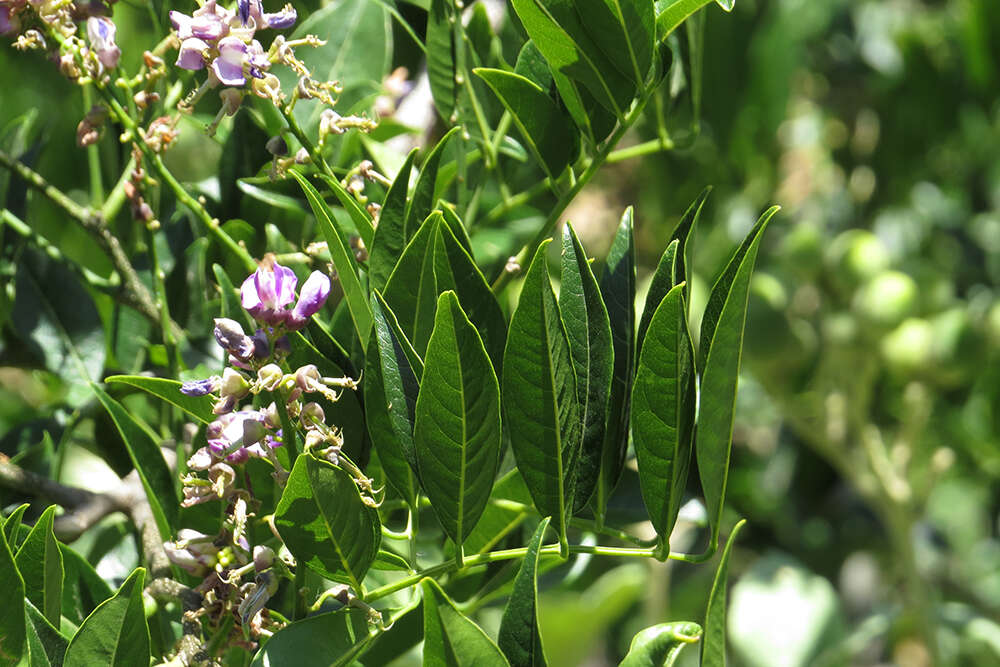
{"x":540,"y":398}
{"x":199,"y":407}
{"x":115,"y":634}
{"x":147,"y":459}
{"x":713,"y":648}
{"x":325,"y":523}
{"x":327,"y":345}
{"x":455,"y":226}
{"x":335,"y":638}
{"x":618,"y":291}
{"x":550,"y":138}
{"x":441,"y":58}
{"x":359,"y":215}
{"x":558,"y":31}
{"x":425,"y":192}
{"x":412,"y":289}
{"x":451,"y":639}
{"x":677,"y":12}
{"x":663,"y":411}
{"x":83,"y":588}
{"x":12,"y":627}
{"x":660,"y":645}
{"x":343,"y":259}
{"x":386,"y":560}
{"x":41,"y":566}
{"x":391,"y":386}
{"x":13,"y":522}
{"x":390,"y":235}
{"x":672,"y":268}
{"x":457,"y":431}
{"x":623,"y":29}
{"x":720,"y":349}
{"x":46,"y":645}
{"x":454,"y":269}
{"x":589,"y":332}
{"x":519,"y":637}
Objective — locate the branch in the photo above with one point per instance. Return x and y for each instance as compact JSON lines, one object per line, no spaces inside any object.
{"x":134,"y":292}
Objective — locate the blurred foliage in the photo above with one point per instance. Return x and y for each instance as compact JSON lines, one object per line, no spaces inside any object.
{"x":867,"y":451}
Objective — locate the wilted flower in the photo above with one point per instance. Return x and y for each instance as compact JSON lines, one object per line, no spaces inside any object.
{"x":230,"y":337}
{"x":201,"y":387}
{"x":101,"y":32}
{"x":192,"y":551}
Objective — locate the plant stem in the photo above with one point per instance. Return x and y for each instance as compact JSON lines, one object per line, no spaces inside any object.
{"x":592,"y":167}
{"x":93,"y":159}
{"x":645,"y":148}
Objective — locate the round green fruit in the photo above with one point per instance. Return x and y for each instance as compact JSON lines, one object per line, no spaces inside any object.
{"x":856,"y":256}
{"x":887,"y":299}
{"x":909,"y":347}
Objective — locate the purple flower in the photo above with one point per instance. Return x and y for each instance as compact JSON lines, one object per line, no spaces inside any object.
{"x":236,"y":437}
{"x":193,"y":551}
{"x":192,"y":53}
{"x":312,"y":297}
{"x":200,"y":387}
{"x":268,"y":292}
{"x":230,"y":337}
{"x":228,"y":66}
{"x":101,"y":33}
{"x":280,"y":20}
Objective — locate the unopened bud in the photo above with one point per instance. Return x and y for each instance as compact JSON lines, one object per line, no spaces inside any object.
{"x":269,"y":377}
{"x":263,"y":557}
{"x":233,"y":384}
{"x":276,"y":146}
{"x":307,"y":377}
{"x":312,"y":414}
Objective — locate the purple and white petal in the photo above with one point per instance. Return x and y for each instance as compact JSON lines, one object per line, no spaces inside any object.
{"x":280,"y":20}
{"x":314,"y":294}
{"x":101,"y":33}
{"x":192,"y":54}
{"x":228,"y":66}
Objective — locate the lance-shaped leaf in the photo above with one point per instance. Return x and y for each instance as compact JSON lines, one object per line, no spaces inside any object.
{"x":343,"y":259}
{"x":13,"y":522}
{"x":672,"y":268}
{"x":199,"y":407}
{"x":325,"y":523}
{"x":540,"y":401}
{"x":624,"y":31}
{"x":412,"y":289}
{"x":519,"y":637}
{"x":157,"y":481}
{"x":454,"y":269}
{"x":720,"y":349}
{"x":425,"y":191}
{"x":618,"y":291}
{"x":713,"y":649}
{"x":457,"y":431}
{"x":12,"y":626}
{"x":324,"y":640}
{"x":675,"y":13}
{"x":115,"y":634}
{"x":441,"y":57}
{"x":558,"y":31}
{"x":454,"y":224}
{"x":663,"y":409}
{"x":392,"y":382}
{"x":390,"y":235}
{"x":45,"y":644}
{"x":553,"y":141}
{"x":451,"y":639}
{"x":660,"y":645}
{"x":589,"y":331}
{"x":40,"y":563}
{"x":83,"y":588}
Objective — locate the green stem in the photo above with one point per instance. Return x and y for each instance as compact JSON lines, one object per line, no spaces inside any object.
{"x":93,"y":159}
{"x":306,"y":142}
{"x":116,"y":198}
{"x":160,"y":294}
{"x":287,"y":430}
{"x":592,"y":167}
{"x":645,"y":148}
{"x":519,"y":199}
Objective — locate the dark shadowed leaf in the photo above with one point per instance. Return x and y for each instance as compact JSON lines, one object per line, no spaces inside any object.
{"x":412,"y":288}
{"x":663,"y":410}
{"x":199,"y":407}
{"x":451,"y":639}
{"x":457,"y":431}
{"x":115,"y":634}
{"x":41,"y":565}
{"x":323,"y":640}
{"x":13,"y":522}
{"x":553,"y":141}
{"x":326,"y":524}
{"x":589,"y":332}
{"x":519,"y":637}
{"x":425,"y":191}
{"x":390,"y":235}
{"x":12,"y":626}
{"x":720,"y":349}
{"x":148,"y":461}
{"x":624,"y":30}
{"x":83,"y":588}
{"x":660,"y":645}
{"x":392,"y":383}
{"x":713,"y":649}
{"x":540,"y":399}
{"x":618,"y":290}
{"x":46,"y":645}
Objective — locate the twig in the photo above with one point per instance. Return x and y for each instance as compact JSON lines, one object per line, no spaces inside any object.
{"x":134,"y":292}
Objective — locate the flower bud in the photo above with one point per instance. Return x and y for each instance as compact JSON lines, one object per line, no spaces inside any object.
{"x":269,"y":377}
{"x":233,"y":384}
{"x":263,"y":557}
{"x":312,"y":414}
{"x":200,"y":387}
{"x":101,"y":33}
{"x":307,"y":377}
{"x":276,"y":146}
{"x":229,"y":334}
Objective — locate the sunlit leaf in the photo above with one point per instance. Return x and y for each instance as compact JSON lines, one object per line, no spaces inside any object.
{"x":199,"y":407}
{"x":661,"y":645}
{"x":713,"y":648}
{"x":115,"y":634}
{"x":40,"y":563}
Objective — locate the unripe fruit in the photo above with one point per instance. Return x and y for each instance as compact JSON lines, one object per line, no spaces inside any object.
{"x":908,"y":348}
{"x":886,"y":299}
{"x":801,"y":250}
{"x":957,"y":347}
{"x":855,"y":256}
